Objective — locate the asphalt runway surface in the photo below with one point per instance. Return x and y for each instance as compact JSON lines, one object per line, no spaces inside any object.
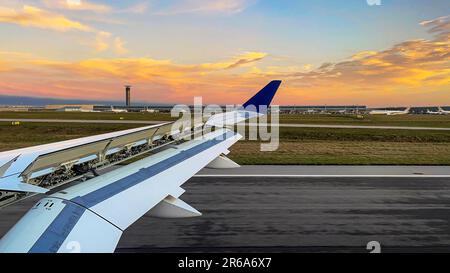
{"x":145,"y":122}
{"x":295,"y":214}
{"x":328,"y":171}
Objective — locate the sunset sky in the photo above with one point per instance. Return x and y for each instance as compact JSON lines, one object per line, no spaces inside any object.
{"x":326,"y":52}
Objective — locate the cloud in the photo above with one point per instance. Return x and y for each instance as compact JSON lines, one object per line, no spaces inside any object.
{"x":141,"y":69}
{"x":363,"y":54}
{"x":414,"y":72}
{"x":83,"y":5}
{"x":105,"y":40}
{"x":237,"y":61}
{"x":95,"y":78}
{"x":102,"y":41}
{"x":138,"y":8}
{"x":78,"y":5}
{"x":207,"y":7}
{"x":3,"y":66}
{"x":439,"y":26}
{"x":8,"y":55}
{"x":119,"y":46}
{"x":407,"y":63}
{"x":247,"y":58}
{"x":398,"y":74}
{"x":30,"y":16}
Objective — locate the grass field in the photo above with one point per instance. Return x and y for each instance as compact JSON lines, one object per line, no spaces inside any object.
{"x":297,"y":145}
{"x":324,"y":146}
{"x":375,"y":120}
{"x":87,"y":116}
{"x":30,"y":134}
{"x":343,"y":153}
{"x":399,"y":120}
{"x":330,"y":134}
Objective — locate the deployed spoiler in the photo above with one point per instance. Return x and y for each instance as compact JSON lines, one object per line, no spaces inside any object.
{"x":41,"y":168}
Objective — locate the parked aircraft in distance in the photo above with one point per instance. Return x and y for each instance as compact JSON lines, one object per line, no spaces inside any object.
{"x":115,"y":110}
{"x":390,"y":112}
{"x":440,"y":111}
{"x":92,"y":211}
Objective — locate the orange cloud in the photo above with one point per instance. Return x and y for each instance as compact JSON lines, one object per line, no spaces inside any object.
{"x":101,"y":41}
{"x":440,"y":25}
{"x":84,"y":5}
{"x":415,"y":72}
{"x":207,"y":7}
{"x":3,"y":66}
{"x":119,"y":46}
{"x":400,"y":75}
{"x":240,"y":60}
{"x":80,"y":5}
{"x":163,"y":80}
{"x":142,"y":69}
{"x":138,"y":8}
{"x":31,"y":16}
{"x":34,"y":17}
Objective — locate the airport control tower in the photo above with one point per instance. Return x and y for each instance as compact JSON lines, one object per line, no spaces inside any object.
{"x":128,"y":95}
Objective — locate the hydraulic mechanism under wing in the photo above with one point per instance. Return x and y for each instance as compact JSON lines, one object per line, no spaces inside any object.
{"x":27,"y":171}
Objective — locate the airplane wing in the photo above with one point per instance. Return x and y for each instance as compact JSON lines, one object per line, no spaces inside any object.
{"x":38,"y":169}
{"x":92,"y":215}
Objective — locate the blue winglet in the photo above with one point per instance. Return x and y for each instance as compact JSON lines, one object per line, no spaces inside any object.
{"x":263,"y":98}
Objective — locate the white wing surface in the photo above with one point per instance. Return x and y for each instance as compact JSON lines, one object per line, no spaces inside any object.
{"x":112,"y":202}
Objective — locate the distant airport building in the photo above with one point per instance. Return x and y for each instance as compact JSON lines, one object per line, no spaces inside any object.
{"x":318,"y":109}
{"x":134,"y":108}
{"x":349,"y":109}
{"x":70,"y":107}
{"x":15,"y":108}
{"x":286,"y":109}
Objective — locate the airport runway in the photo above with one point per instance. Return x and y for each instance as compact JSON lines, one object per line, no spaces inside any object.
{"x":144,"y":122}
{"x":303,"y":215}
{"x":328,"y":171}
{"x":295,"y":214}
